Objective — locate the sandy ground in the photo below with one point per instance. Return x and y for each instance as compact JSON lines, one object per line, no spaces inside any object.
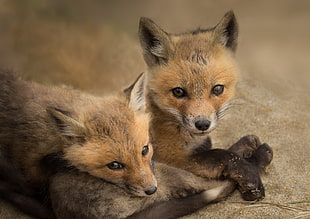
{"x":272,"y":99}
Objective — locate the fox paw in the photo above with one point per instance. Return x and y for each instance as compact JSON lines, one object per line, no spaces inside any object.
{"x":261,"y":157}
{"x":253,"y":192}
{"x":245,"y":146}
{"x":250,"y":148}
{"x":247,"y":177}
{"x":256,"y":157}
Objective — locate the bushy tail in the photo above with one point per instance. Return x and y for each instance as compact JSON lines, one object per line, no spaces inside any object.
{"x":184,"y":206}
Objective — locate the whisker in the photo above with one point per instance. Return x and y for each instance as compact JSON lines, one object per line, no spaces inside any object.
{"x":224,"y":109}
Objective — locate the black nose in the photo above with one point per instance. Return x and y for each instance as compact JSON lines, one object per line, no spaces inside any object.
{"x":151,"y":190}
{"x":202,"y":125}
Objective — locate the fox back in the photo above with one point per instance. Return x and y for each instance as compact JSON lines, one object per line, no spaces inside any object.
{"x":105,"y":137}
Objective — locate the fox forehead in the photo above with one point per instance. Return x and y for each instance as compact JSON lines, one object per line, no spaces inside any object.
{"x":98,"y":151}
{"x":193,"y":47}
{"x":120,"y":137}
{"x":109,"y":149}
{"x":199,"y":71}
{"x":121,"y":133}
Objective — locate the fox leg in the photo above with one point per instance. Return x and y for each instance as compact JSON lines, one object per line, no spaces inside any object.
{"x":243,"y":162}
{"x":218,"y":163}
{"x":248,"y":147}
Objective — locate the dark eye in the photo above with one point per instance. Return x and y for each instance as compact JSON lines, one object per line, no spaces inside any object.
{"x":115,"y":165}
{"x":145,"y":150}
{"x":218,"y":89}
{"x":179,"y":92}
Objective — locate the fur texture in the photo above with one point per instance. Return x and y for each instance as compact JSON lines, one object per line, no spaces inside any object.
{"x":191,"y":80}
{"x":78,"y":195}
{"x":180,"y":192}
{"x":95,"y":135}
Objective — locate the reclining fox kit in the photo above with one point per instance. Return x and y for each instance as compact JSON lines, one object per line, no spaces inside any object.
{"x":39,"y":123}
{"x":106,"y":135}
{"x":112,"y":134}
{"x":83,"y":148}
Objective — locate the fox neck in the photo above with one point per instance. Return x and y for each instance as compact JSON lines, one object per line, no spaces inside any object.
{"x":171,"y":140}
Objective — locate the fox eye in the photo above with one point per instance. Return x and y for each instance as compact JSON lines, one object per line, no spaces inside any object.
{"x":218,"y":89}
{"x":115,"y":165}
{"x":145,"y":150}
{"x":179,"y":92}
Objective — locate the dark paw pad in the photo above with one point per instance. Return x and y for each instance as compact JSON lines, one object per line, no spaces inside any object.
{"x":253,"y":193}
{"x":245,"y":146}
{"x":262,"y":156}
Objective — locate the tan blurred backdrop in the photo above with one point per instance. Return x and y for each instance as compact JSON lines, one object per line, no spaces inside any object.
{"x":93,"y":45}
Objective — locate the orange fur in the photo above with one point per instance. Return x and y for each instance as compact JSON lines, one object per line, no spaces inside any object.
{"x":191,"y":79}
{"x":196,"y":62}
{"x":89,"y":132}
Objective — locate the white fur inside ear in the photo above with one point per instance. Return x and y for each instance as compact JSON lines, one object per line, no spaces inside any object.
{"x":227,"y":31}
{"x":69,"y":130}
{"x":223,"y":39}
{"x":137,"y":96}
{"x":158,"y":50}
{"x":67,"y":125}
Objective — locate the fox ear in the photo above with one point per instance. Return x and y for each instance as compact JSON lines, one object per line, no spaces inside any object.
{"x":67,"y":125}
{"x":226,"y":31}
{"x":136,"y":93}
{"x":155,"y":42}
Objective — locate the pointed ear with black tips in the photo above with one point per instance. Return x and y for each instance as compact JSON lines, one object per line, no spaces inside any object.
{"x":226,"y":31}
{"x":155,"y":42}
{"x":66,"y":124}
{"x":136,"y":94}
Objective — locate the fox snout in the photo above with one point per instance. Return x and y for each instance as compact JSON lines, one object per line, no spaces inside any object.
{"x":140,"y":191}
{"x":151,"y":190}
{"x":146,"y":186}
{"x":202,"y":124}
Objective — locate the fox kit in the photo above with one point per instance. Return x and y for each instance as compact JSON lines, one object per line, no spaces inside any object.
{"x":76,"y":194}
{"x":191,"y":79}
{"x":40,"y":124}
{"x":179,"y":193}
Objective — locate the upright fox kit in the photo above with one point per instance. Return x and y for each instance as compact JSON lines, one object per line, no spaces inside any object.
{"x":92,"y":134}
{"x":191,"y":79}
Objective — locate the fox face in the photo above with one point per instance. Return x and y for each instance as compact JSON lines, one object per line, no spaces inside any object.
{"x":114,"y":143}
{"x":191,"y":76}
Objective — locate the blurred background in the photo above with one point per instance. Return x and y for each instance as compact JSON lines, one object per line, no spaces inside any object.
{"x":93,"y":46}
